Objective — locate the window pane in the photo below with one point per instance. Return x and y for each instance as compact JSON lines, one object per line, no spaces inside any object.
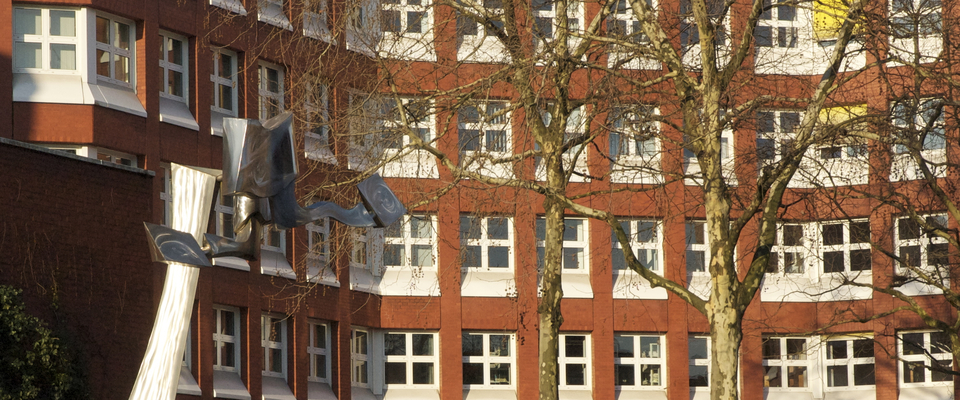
{"x":698,"y":376}
{"x":771,"y":349}
{"x":27,"y":55}
{"x":573,"y":346}
{"x":796,"y":349}
{"x":939,"y":343}
{"x":859,"y":260}
{"x":938,"y":254}
{"x":912,"y":343}
{"x":696,"y":262}
{"x":320,"y":366}
{"x":227,"y":355}
{"x":837,"y":375}
{"x":697,"y":348}
{"x":226,"y":97}
{"x":422,"y":255}
{"x":572,"y":258}
{"x":472,"y":345}
{"x":859,"y":232}
{"x":63,"y":23}
{"x":646,"y":231}
{"x":772,"y":377}
{"x":471,"y":257}
{"x":793,"y":263}
{"x":175,"y":83}
{"x":913,"y":372}
{"x":395,"y":373}
{"x":319,"y":336}
{"x":103,"y":63}
{"x":393,"y":254}
{"x":649,"y":347}
{"x":395,"y":344}
{"x":226,"y":66}
{"x":26,"y":21}
{"x":910,"y":256}
{"x":833,"y":261}
{"x":472,"y":373}
{"x":122,"y":38}
{"x":175,"y":51}
{"x":103,"y":30}
{"x":420,"y":227}
{"x":276,"y":360}
{"x":796,"y":376}
{"x":625,"y":375}
{"x":940,"y":371}
{"x":863,"y":348}
{"x":499,"y":373}
{"x":227,"y":326}
{"x":623,"y":346}
{"x":863,"y":374}
{"x":121,"y":68}
{"x":422,"y":373}
{"x":792,"y":235}
{"x":694,"y":232}
{"x":650,"y":375}
{"x":833,"y":234}
{"x":500,"y":345}
{"x":836,"y":349}
{"x":617,"y":260}
{"x":422,"y":344}
{"x":572,"y":229}
{"x":498,"y":256}
{"x":576,"y":374}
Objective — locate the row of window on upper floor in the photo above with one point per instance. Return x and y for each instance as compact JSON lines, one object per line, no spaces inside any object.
{"x":384,"y":360}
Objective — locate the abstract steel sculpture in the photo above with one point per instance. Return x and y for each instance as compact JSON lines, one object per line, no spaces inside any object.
{"x":259,"y":173}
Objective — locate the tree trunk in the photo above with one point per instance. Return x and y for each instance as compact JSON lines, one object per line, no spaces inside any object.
{"x":726,"y":335}
{"x":549,"y":308}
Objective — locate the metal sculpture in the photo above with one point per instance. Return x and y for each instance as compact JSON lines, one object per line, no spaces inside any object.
{"x":259,"y":173}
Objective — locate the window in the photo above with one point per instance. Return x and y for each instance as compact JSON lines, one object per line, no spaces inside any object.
{"x":274,"y":340}
{"x":230,"y":5}
{"x":698,"y":252}
{"x":488,"y":359}
{"x":403,"y":16}
{"x":274,"y":240}
{"x":317,"y":233}
{"x":174,"y":81}
{"x":645,"y":239}
{"x":634,"y":132}
{"x":315,"y":23}
{"x":224,"y":77}
{"x":359,"y":350}
{"x":316,"y":104}
{"x":915,"y":18}
{"x":575,"y":244}
{"x":845,"y":246}
{"x":418,"y":120}
{"x":690,"y":35}
{"x":492,"y":10}
{"x":224,"y":211}
{"x":850,"y":362}
{"x":574,"y":361}
{"x":790,"y":246}
{"x":410,"y":242}
{"x":271,"y":12}
{"x":115,"y":38}
{"x":828,"y":17}
{"x":45,"y":40}
{"x":919,"y":248}
{"x":486,"y":242}
{"x":846,"y":146}
{"x":226,"y":339}
{"x":775,"y":133}
{"x":785,"y":362}
{"x":546,"y":19}
{"x":271,"y":90}
{"x":698,"y":350}
{"x":776,"y":26}
{"x":925,"y":358}
{"x":317,"y":350}
{"x":484,"y":127}
{"x":166,"y":196}
{"x":622,"y":23}
{"x":410,"y":359}
{"x":920,"y":126}
{"x":360,"y":251}
{"x":639,"y":362}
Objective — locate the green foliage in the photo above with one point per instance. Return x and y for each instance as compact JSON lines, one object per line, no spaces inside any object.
{"x":33,"y":362}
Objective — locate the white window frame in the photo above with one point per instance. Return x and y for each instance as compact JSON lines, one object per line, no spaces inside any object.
{"x":221,"y":338}
{"x":266,"y":95}
{"x":406,"y":241}
{"x":272,"y":12}
{"x":923,"y":242}
{"x":316,"y":104}
{"x":652,"y":359}
{"x":166,"y":194}
{"x":690,"y":36}
{"x":222,"y":208}
{"x":317,"y":354}
{"x":487,"y":359}
{"x":315,"y":23}
{"x":579,"y":227}
{"x":408,"y":359}
{"x":798,"y":251}
{"x":565,"y":361}
{"x":693,"y":247}
{"x":274,"y":240}
{"x":272,"y":342}
{"x":47,"y":41}
{"x":699,"y":362}
{"x":909,"y":121}
{"x":622,"y":23}
{"x":360,"y":346}
{"x":647,"y":251}
{"x":484,"y":243}
{"x":230,"y":81}
{"x":362,"y":236}
{"x":852,"y":359}
{"x":783,"y":29}
{"x":919,"y":23}
{"x":393,"y":125}
{"x":318,"y":240}
{"x":112,"y":48}
{"x":545,"y":12}
{"x":234,"y":6}
{"x":406,"y":11}
{"x":777,"y":133}
{"x":786,"y":362}
{"x":927,"y":359}
{"x":169,"y":66}
{"x":629,"y":127}
{"x":492,"y":116}
{"x":846,"y":247}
